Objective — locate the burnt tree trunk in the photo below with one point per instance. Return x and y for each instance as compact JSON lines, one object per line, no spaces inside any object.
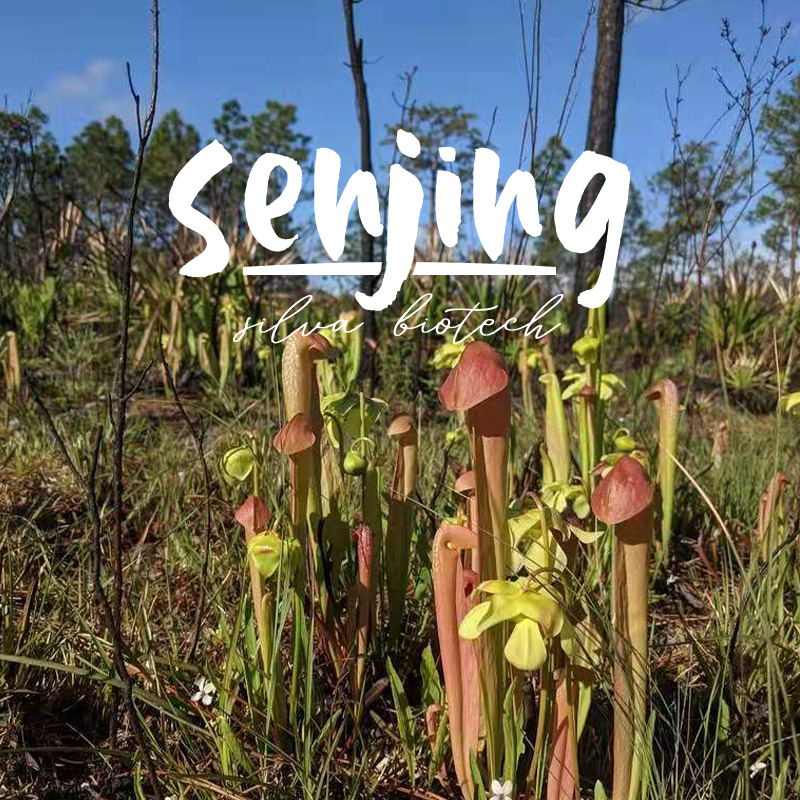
{"x":602,"y":122}
{"x":368,"y":282}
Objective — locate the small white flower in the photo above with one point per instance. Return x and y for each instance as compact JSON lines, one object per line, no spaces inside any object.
{"x":501,"y":791}
{"x":205,"y":691}
{"x":672,"y":579}
{"x":759,"y":766}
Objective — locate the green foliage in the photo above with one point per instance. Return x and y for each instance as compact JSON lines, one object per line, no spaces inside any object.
{"x":99,"y":168}
{"x":246,"y":138}
{"x":735,"y":314}
{"x":405,"y":720}
{"x":549,"y":169}
{"x":781,"y":121}
{"x":437,"y":126}
{"x":30,"y":306}
{"x":173,"y":143}
{"x":432,"y":692}
{"x":342,"y":411}
{"x":30,"y":177}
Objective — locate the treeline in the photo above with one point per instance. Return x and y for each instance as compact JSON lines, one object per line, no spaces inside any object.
{"x":63,"y":207}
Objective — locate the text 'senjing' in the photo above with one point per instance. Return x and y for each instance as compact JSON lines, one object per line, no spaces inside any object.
{"x":331,"y":212}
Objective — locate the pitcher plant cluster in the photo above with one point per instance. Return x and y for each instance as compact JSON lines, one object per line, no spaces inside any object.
{"x":522,"y":578}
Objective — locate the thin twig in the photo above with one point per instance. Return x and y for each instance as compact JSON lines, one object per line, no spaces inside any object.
{"x":121,"y":396}
{"x":119,"y":647}
{"x":197,"y":433}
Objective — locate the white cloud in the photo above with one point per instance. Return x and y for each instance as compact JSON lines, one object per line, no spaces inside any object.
{"x":97,"y":91}
{"x":92,"y":83}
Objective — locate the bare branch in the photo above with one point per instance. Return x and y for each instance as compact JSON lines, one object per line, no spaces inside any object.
{"x":120,"y":395}
{"x":197,"y":432}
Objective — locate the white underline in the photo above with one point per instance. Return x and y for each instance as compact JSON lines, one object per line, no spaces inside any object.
{"x":422,"y":268}
{"x":332,"y":269}
{"x":469,"y":268}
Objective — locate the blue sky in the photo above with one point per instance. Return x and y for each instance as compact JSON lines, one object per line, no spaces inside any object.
{"x":70,"y":57}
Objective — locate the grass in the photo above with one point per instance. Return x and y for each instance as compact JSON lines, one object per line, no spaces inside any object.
{"x":724,"y":634}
